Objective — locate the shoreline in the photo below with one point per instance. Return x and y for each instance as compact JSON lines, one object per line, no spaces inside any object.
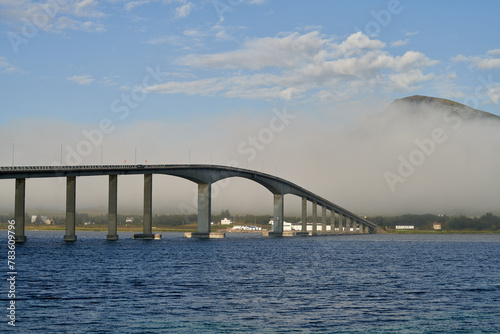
{"x":193,"y":229}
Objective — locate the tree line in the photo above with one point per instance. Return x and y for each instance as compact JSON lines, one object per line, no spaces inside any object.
{"x":487,"y":221}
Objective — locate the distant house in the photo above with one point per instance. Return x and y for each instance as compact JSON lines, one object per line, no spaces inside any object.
{"x":129,"y":220}
{"x":226,"y":221}
{"x":298,"y":226}
{"x":247,"y":228}
{"x":436,"y":226}
{"x":405,"y":227}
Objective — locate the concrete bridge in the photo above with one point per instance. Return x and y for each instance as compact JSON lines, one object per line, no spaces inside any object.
{"x":341,"y":220}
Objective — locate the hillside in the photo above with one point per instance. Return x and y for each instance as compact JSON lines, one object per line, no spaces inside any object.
{"x":418,"y":104}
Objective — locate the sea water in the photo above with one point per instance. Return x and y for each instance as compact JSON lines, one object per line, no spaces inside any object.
{"x":246,"y":283}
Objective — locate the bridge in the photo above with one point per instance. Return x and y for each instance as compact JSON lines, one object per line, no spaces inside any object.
{"x":341,"y":220}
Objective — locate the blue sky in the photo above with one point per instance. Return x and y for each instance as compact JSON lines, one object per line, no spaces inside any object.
{"x":218,"y":57}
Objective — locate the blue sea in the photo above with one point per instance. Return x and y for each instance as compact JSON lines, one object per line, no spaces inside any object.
{"x":246,"y":283}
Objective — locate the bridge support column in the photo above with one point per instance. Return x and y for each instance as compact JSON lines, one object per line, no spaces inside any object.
{"x":204,"y":214}
{"x":323,"y":220}
{"x":364,"y":228}
{"x":70,"y":208}
{"x":348,"y":224}
{"x":19,"y":210}
{"x":204,"y":208}
{"x":304,"y":218}
{"x":341,"y":223}
{"x":278,"y":215}
{"x":315,"y":218}
{"x":147,"y":217}
{"x":332,"y":222}
{"x":113,"y":208}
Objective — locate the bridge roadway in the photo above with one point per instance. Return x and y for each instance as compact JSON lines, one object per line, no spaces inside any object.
{"x":341,"y":220}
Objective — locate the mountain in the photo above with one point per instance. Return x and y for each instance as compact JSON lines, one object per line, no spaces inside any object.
{"x":417,"y":105}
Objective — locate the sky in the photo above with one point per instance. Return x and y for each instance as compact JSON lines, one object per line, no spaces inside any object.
{"x":254,"y":83}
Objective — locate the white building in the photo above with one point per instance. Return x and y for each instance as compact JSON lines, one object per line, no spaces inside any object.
{"x":226,"y":221}
{"x":298,"y":226}
{"x":247,"y":228}
{"x":405,"y":227}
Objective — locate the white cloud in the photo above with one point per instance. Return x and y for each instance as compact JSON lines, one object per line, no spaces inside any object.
{"x":6,"y":67}
{"x":407,"y":80}
{"x":295,"y":66}
{"x":486,"y":62}
{"x":261,"y":53}
{"x":495,"y":52}
{"x":357,"y":44}
{"x":58,"y":15}
{"x":411,"y":33}
{"x":400,"y":42}
{"x":133,"y":4}
{"x":84,"y":79}
{"x":199,"y":87}
{"x":494,"y":94}
{"x":86,"y":8}
{"x":184,"y":10}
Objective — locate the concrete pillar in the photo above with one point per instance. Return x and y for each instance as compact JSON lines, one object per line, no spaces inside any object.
{"x":113,"y":208}
{"x":70,"y":208}
{"x":315,"y":218}
{"x":147,"y":217}
{"x":19,"y":210}
{"x":204,"y":208}
{"x":304,"y":214}
{"x":204,"y":214}
{"x":332,"y":221}
{"x":323,"y":220}
{"x":348,"y":224}
{"x":278,"y":213}
{"x":341,"y":223}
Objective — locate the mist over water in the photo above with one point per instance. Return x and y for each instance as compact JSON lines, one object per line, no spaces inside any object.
{"x":406,"y":159}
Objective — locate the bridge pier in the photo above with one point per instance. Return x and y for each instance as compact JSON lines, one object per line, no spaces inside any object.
{"x":278,"y":216}
{"x":204,"y":214}
{"x":113,"y":208}
{"x":19,"y":210}
{"x":304,"y":231}
{"x":315,"y":218}
{"x":204,"y":208}
{"x":70,"y":208}
{"x":323,"y":220}
{"x":147,"y":218}
{"x":332,"y":222}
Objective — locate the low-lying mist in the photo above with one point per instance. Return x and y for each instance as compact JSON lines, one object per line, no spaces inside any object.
{"x":407,"y":159}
